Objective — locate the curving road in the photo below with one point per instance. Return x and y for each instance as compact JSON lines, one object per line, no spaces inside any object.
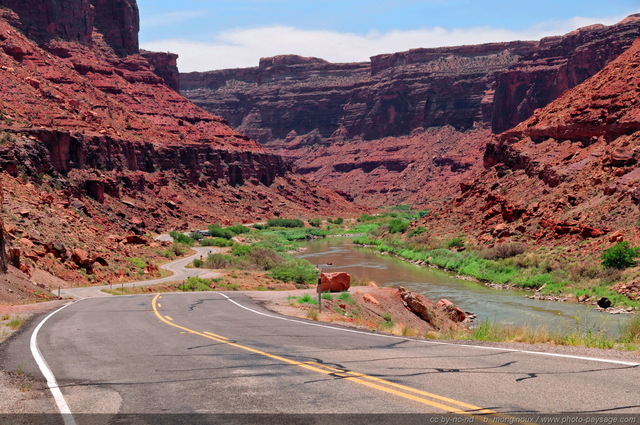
{"x":221,"y":353}
{"x":176,"y":267}
{"x":166,"y":357}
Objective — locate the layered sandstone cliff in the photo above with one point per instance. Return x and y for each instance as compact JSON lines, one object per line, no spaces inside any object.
{"x":501,"y":84}
{"x":571,"y":171}
{"x":94,"y":143}
{"x":74,"y":20}
{"x":383,"y":131}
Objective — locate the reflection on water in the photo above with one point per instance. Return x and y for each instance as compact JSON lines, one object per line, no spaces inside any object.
{"x":508,"y":307}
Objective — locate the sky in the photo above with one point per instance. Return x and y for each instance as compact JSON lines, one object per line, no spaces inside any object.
{"x":220,"y":34}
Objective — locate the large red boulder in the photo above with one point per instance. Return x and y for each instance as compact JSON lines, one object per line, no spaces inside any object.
{"x":335,"y":282}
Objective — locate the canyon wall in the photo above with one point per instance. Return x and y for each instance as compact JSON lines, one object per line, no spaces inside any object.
{"x":405,"y":127}
{"x":499,"y":84}
{"x":570,"y":172}
{"x":74,"y":20}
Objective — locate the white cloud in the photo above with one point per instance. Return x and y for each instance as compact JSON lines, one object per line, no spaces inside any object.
{"x":163,"y":19}
{"x":244,"y":47}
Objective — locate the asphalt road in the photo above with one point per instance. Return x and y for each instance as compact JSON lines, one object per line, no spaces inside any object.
{"x":179,"y":272}
{"x":221,"y":353}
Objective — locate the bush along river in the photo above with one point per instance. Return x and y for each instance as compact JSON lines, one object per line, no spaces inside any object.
{"x":508,"y":307}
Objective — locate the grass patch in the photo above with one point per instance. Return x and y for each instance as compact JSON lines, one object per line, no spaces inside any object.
{"x":553,"y":271}
{"x":583,"y":335}
{"x":304,"y":299}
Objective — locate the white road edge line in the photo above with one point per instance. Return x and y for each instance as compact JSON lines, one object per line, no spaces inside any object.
{"x":63,"y":407}
{"x":513,"y":350}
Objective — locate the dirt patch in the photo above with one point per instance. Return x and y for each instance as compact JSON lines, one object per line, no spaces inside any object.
{"x":18,"y":288}
{"x":366,"y":307}
{"x":21,"y":394}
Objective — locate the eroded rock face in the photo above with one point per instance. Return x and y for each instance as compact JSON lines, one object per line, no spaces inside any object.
{"x":381,"y":131}
{"x":66,"y":19}
{"x":74,"y":20}
{"x":119,"y":22}
{"x":557,"y":65}
{"x":568,"y":173}
{"x":164,"y":65}
{"x":390,"y":96}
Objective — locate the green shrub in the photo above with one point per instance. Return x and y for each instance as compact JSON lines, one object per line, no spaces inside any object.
{"x":315,"y":222}
{"x":218,"y":261}
{"x":196,"y":284}
{"x":364,"y":218}
{"x":345,"y":296}
{"x":238,"y":229}
{"x":620,"y":256}
{"x":137,"y":262}
{"x":222,"y":242}
{"x":296,"y":270}
{"x":197,"y":263}
{"x":182,"y":238}
{"x":285,"y":222}
{"x":417,"y":231}
{"x":218,"y":232}
{"x":241,"y":250}
{"x":338,"y":220}
{"x":264,"y":258}
{"x":457,"y":242}
{"x":397,"y":226}
{"x":307,"y":299}
{"x":176,"y":249}
{"x":195,"y":236}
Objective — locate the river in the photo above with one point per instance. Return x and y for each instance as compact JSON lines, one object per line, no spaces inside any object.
{"x":501,"y":306}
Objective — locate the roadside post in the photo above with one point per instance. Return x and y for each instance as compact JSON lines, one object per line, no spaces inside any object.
{"x":319,"y":289}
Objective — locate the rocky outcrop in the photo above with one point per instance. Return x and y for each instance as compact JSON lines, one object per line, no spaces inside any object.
{"x":557,"y":65}
{"x":390,"y":96}
{"x":119,"y":22}
{"x":42,"y":21}
{"x":74,"y":20}
{"x":164,"y":65}
{"x":568,"y":173}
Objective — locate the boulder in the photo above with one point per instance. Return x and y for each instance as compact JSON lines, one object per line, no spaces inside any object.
{"x":452,"y":311}
{"x":136,"y":240}
{"x":370,"y":299}
{"x":57,"y":249}
{"x":81,"y":257}
{"x":604,"y":302}
{"x":416,"y":305}
{"x":335,"y":282}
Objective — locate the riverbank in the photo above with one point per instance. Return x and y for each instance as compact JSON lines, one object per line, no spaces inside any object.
{"x":515,"y":268}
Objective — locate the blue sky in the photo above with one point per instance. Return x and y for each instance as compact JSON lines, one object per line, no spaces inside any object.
{"x":223,"y":34}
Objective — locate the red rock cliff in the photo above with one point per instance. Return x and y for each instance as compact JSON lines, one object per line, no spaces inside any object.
{"x":499,"y":84}
{"x":406,"y":127}
{"x":559,"y":64}
{"x":73,"y":20}
{"x":570,"y":172}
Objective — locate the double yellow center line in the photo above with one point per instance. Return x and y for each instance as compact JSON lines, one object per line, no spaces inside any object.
{"x":433,"y":400}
